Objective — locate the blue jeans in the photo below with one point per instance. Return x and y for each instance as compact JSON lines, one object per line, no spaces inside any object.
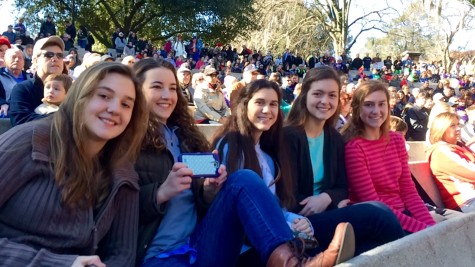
{"x":243,"y":207}
{"x":373,"y":222}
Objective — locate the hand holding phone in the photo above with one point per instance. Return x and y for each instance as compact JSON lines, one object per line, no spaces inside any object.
{"x":203,"y":165}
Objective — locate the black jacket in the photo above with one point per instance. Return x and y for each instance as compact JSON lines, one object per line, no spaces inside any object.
{"x":25,"y":97}
{"x":153,"y":168}
{"x":334,"y":182}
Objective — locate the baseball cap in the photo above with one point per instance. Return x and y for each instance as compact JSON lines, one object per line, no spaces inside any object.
{"x":48,"y":41}
{"x":250,"y":68}
{"x":209,"y":71}
{"x":106,"y":57}
{"x":183,"y":69}
{"x":437,"y":97}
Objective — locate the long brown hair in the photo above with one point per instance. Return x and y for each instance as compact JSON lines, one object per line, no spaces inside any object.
{"x":237,"y":133}
{"x":299,"y":114}
{"x":191,"y":139}
{"x":355,"y":126}
{"x":84,"y":181}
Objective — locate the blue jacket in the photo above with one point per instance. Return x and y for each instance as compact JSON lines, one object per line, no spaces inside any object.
{"x":25,"y":97}
{"x":7,"y":81}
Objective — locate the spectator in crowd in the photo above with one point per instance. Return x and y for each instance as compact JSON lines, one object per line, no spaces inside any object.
{"x":4,"y":46}
{"x":10,"y":34}
{"x":120,"y":43}
{"x":28,"y":54}
{"x":345,"y":111}
{"x":184,"y":80}
{"x":132,"y":38}
{"x":68,"y":43}
{"x":75,"y":165}
{"x":19,"y":27}
{"x":70,"y":29}
{"x":74,"y":52}
{"x":56,"y":88}
{"x":209,"y":100}
{"x":367,"y":62}
{"x":417,"y":119}
{"x":90,"y":42}
{"x":388,"y":63}
{"x":26,"y":96}
{"x":249,"y":74}
{"x":82,"y":36}
{"x":377,"y":161}
{"x":47,"y":27}
{"x":340,"y":66}
{"x":452,"y":163}
{"x":10,"y":75}
{"x":69,"y":64}
{"x":357,"y":62}
{"x":468,"y":130}
{"x":129,"y":49}
{"x":179,"y":47}
{"x":115,"y":35}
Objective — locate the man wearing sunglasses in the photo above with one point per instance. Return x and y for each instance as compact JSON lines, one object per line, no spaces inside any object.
{"x":47,"y":59}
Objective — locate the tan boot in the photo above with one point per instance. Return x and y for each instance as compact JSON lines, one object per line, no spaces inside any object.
{"x":291,"y":254}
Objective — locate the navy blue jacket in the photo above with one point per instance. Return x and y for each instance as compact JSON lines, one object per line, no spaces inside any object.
{"x":25,"y":97}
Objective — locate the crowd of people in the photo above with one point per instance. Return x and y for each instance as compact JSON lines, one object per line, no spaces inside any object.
{"x":314,"y":165}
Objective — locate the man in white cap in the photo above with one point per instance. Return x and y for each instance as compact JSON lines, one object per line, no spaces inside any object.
{"x":47,"y":59}
{"x":249,"y":75}
{"x":184,"y":79}
{"x":209,"y":100}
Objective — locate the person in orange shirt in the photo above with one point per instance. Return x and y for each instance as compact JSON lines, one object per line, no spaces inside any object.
{"x":452,"y":163}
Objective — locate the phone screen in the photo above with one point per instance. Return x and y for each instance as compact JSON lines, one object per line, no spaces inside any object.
{"x":201,"y":164}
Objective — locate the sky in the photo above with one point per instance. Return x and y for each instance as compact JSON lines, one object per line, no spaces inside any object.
{"x":8,"y":13}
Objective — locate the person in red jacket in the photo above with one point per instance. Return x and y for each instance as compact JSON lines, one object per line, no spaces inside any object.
{"x":377,"y":161}
{"x":452,"y":163}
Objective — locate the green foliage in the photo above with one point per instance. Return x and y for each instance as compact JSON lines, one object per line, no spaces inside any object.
{"x":152,"y":19}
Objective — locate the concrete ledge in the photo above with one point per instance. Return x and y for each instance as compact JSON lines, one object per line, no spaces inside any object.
{"x":449,"y":243}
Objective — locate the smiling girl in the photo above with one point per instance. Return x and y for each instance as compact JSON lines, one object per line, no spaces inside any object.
{"x":69,"y":191}
{"x":377,"y":161}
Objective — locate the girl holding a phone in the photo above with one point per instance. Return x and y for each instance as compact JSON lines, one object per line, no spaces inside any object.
{"x":201,"y":222}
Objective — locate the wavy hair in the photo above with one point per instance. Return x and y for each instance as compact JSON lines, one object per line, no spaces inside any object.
{"x":355,"y":126}
{"x":85,"y":182}
{"x":191,"y":139}
{"x":237,"y":133}
{"x":299,"y":113}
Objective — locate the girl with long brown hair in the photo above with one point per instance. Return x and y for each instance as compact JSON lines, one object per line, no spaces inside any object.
{"x":68,"y":184}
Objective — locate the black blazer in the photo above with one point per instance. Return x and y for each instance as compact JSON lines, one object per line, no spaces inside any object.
{"x":334,"y":181}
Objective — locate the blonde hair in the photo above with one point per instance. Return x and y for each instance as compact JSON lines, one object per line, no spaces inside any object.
{"x":441,"y":123}
{"x":438,"y":108}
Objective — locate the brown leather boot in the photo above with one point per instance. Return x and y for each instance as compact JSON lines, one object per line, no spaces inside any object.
{"x":291,"y":254}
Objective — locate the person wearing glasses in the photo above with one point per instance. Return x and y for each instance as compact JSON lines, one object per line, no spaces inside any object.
{"x":211,"y":107}
{"x":26,"y":96}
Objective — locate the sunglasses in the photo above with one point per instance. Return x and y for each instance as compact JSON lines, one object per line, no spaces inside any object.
{"x":131,"y":62}
{"x":213,"y":75}
{"x":52,"y":54}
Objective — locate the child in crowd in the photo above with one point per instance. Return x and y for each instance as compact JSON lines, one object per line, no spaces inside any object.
{"x":56,"y":87}
{"x":398,"y":125}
